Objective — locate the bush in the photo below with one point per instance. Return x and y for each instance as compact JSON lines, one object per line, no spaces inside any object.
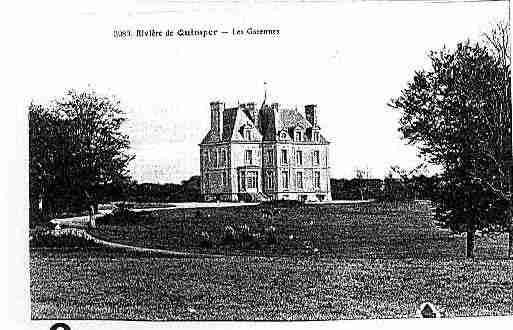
{"x":51,"y":239}
{"x":283,"y":203}
{"x":270,"y":235}
{"x":229,"y":235}
{"x":245,"y":237}
{"x":205,"y":240}
{"x":123,"y":216}
{"x":245,"y":233}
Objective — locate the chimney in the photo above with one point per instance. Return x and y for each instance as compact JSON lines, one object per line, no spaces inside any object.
{"x":311,"y":114}
{"x":253,"y":113}
{"x":216,"y":119}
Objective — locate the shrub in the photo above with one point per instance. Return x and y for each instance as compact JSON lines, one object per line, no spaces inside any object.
{"x":270,"y":235}
{"x":123,"y":216}
{"x":205,"y":240}
{"x":245,"y":233}
{"x":52,"y":239}
{"x":283,"y":203}
{"x":230,"y":235}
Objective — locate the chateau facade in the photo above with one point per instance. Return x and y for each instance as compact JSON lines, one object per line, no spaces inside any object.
{"x":264,"y":153}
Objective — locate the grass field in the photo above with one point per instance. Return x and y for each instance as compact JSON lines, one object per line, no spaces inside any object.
{"x":113,"y":286}
{"x":373,"y":261}
{"x":376,"y":230}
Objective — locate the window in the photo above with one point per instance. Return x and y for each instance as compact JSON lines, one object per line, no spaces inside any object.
{"x":223,"y":179}
{"x":284,"y":158}
{"x":299,"y":157}
{"x":252,"y":178}
{"x":213,"y":158}
{"x":285,"y":179}
{"x":248,"y":134}
{"x":299,"y":136}
{"x":317,"y":180}
{"x":316,"y":157}
{"x":223,"y":158}
{"x":270,"y":180}
{"x":242,"y":181}
{"x":299,"y":180}
{"x":316,"y":136}
{"x":249,"y":157}
{"x":270,"y":158}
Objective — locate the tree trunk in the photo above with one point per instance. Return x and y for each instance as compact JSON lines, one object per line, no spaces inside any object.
{"x":510,"y":243}
{"x":470,"y":243}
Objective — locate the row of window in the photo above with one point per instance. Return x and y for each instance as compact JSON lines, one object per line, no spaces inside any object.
{"x":216,"y":158}
{"x":249,"y":180}
{"x":299,"y":136}
{"x":316,"y":157}
{"x":215,"y":179}
{"x":219,"y":158}
{"x":299,"y":180}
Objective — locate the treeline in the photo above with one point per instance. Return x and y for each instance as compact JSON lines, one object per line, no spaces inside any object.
{"x":416,"y":187}
{"x":186,"y":191}
{"x":389,"y":188}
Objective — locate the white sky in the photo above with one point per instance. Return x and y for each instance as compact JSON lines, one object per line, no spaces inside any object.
{"x":349,"y":58}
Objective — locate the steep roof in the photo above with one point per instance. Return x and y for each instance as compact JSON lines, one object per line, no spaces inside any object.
{"x":268,"y":121}
{"x":291,"y":118}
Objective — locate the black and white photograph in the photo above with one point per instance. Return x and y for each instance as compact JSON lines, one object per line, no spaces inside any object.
{"x":262,"y":161}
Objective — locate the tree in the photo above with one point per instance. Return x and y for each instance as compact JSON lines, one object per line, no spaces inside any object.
{"x":362,"y":176}
{"x":43,"y":158}
{"x":458,"y":113}
{"x":498,"y":40}
{"x":76,"y":145}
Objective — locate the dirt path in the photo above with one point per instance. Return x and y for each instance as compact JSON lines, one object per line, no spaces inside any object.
{"x":97,"y":240}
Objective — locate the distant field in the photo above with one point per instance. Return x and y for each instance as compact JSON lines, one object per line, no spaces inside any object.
{"x":376,"y":230}
{"x":102,"y":285}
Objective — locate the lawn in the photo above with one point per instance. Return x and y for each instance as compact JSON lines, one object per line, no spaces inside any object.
{"x":327,"y":262}
{"x":376,"y":230}
{"x":102,"y":285}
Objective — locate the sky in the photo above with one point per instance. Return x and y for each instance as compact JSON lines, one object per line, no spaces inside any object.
{"x":349,"y":58}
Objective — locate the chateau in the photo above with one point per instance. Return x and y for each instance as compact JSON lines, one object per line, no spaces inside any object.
{"x":264,"y":153}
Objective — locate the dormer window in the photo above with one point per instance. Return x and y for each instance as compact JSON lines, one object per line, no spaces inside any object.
{"x":299,"y":136}
{"x":316,"y":136}
{"x":246,"y":131}
{"x":283,"y":136}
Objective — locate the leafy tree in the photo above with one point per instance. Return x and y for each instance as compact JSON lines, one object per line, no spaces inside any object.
{"x":43,"y":158}
{"x":459,"y":115}
{"x":498,"y":40}
{"x":76,"y":145}
{"x":362,"y":175}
